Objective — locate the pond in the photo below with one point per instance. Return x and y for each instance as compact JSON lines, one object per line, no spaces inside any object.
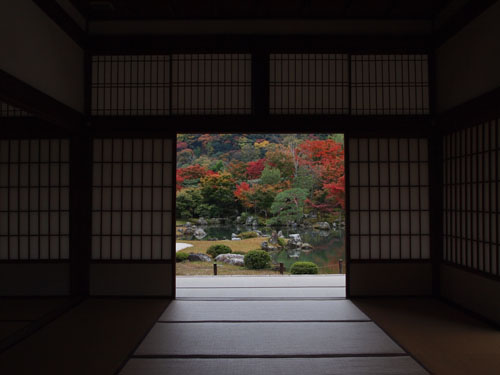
{"x":328,"y":246}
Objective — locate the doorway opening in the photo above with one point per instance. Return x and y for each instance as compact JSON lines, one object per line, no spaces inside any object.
{"x":260,"y":204}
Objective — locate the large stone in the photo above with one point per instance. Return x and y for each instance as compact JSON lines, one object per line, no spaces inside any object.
{"x":274,"y":237}
{"x":307,"y":246}
{"x":295,"y":237}
{"x":202,"y":221}
{"x":238,"y":219}
{"x":189,"y":231}
{"x":199,"y":257}
{"x":234,"y":259}
{"x":249,"y":221}
{"x":199,"y":233}
{"x":267,"y":247}
{"x":322,"y":225}
{"x":280,"y":234}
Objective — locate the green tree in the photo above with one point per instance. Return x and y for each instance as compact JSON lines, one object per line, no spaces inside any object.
{"x":262,"y":198}
{"x":305,"y":179}
{"x":218,"y":191}
{"x":288,"y":206}
{"x":270,"y":176}
{"x":187,"y":202}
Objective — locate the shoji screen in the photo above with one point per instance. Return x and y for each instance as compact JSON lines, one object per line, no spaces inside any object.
{"x":389,"y":215}
{"x":7,"y":110}
{"x":132,"y":226}
{"x":34,"y":199}
{"x":160,"y":85}
{"x":389,"y":85}
{"x":211,"y":84}
{"x":471,"y":186}
{"x":34,"y":216}
{"x":309,"y":83}
{"x":137,"y":85}
{"x":132,"y":199}
{"x":389,"y":198}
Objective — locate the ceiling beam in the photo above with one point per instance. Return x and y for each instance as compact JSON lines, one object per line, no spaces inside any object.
{"x":19,"y":94}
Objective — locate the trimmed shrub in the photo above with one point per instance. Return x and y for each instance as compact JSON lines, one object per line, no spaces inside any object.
{"x":218,"y":249}
{"x":181,"y":257}
{"x":303,"y":268}
{"x":257,"y":259}
{"x":281,"y":242}
{"x":244,"y":235}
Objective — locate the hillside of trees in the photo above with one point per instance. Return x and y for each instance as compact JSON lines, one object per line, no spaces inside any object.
{"x":279,"y":178}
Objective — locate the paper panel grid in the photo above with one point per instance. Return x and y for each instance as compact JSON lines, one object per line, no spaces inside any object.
{"x":132,"y":199}
{"x":389,"y":198}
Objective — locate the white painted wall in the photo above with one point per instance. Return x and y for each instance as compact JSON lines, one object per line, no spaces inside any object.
{"x":35,"y":50}
{"x":468,"y":64}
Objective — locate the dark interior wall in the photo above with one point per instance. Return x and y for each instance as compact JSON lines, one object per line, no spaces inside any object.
{"x":467,"y":64}
{"x":468,"y":79}
{"x":36,"y":51}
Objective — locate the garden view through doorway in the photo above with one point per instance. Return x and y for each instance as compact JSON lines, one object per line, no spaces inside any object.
{"x":260,"y":204}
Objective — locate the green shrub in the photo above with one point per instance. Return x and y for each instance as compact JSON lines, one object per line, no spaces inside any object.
{"x":218,"y":249}
{"x":181,"y":257}
{"x":302,"y":268}
{"x":244,"y":235}
{"x":239,"y":252}
{"x":257,"y":259}
{"x":281,"y":242}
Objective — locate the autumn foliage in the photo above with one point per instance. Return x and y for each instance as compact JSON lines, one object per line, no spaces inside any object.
{"x":243,"y":172}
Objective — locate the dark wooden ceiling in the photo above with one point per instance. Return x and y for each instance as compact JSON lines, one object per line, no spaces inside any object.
{"x":260,"y":9}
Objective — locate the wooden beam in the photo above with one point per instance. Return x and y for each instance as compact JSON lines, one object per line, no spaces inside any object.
{"x":359,"y":125}
{"x":470,"y":10}
{"x":476,"y":111}
{"x":265,"y":44}
{"x":54,"y":11}
{"x":19,"y":94}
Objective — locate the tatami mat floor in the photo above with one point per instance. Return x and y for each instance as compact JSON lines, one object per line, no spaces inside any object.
{"x":284,"y":336}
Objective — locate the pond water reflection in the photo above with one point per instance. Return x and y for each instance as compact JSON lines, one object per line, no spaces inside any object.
{"x":328,"y":247}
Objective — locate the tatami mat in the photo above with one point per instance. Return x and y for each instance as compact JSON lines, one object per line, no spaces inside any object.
{"x":260,"y":281}
{"x":279,"y":366}
{"x":261,"y":293}
{"x":266,"y":339}
{"x":262,"y":311}
{"x":9,"y":328}
{"x":29,"y":308}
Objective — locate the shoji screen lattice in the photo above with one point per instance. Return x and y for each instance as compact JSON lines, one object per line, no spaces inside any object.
{"x":389,"y":85}
{"x":7,"y":110}
{"x":34,"y":199}
{"x":309,"y":83}
{"x":389,"y":199}
{"x":132,"y":199}
{"x":211,"y":84}
{"x":471,"y":185}
{"x":131,"y":85}
{"x":160,"y":85}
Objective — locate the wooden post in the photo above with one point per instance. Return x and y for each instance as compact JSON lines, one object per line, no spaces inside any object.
{"x":340,"y":266}
{"x":282,"y":268}
{"x":215,"y":269}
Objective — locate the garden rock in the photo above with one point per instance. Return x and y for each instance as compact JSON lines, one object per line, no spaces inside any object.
{"x":189,"y":231}
{"x":307,"y":246}
{"x":199,"y":233}
{"x":238,"y":220}
{"x":280,"y":234}
{"x":295,"y":237}
{"x":202,"y":221}
{"x":267,"y":247}
{"x":322,"y":225}
{"x":198,"y":257}
{"x":249,"y":221}
{"x":274,"y":237}
{"x":234,"y":259}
